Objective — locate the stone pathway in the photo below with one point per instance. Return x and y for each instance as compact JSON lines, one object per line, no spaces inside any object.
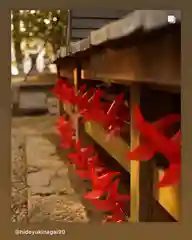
{"x":49,"y":195}
{"x":49,"y":191}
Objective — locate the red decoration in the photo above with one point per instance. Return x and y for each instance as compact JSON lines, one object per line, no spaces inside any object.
{"x":114,"y":203}
{"x":113,"y":110}
{"x":81,"y":155}
{"x":66,"y":132}
{"x":58,"y":88}
{"x":91,"y":108}
{"x":154,"y":141}
{"x":100,"y":183}
{"x":117,"y":116}
{"x":113,"y":117}
{"x":82,"y":99}
{"x":93,"y":162}
{"x":64,"y":91}
{"x":68,"y":94}
{"x":94,"y":111}
{"x":106,"y":114}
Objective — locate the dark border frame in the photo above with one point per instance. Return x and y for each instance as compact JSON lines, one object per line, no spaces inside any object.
{"x":75,"y":231}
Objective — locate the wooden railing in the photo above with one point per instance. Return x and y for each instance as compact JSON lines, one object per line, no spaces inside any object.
{"x":144,"y":57}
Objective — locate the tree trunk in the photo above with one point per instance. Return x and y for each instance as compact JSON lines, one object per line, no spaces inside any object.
{"x":17,"y":37}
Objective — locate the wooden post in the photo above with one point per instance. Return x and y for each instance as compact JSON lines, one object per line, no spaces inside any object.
{"x":141,"y":188}
{"x":77,"y":79}
{"x":60,"y":105}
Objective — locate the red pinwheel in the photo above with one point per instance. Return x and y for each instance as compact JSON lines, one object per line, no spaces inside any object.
{"x":64,"y":91}
{"x":66,"y":132}
{"x":115,"y":118}
{"x":113,"y":110}
{"x":114,"y":203}
{"x":108,"y":119}
{"x":88,"y":149}
{"x":105,"y":114}
{"x":81,"y":90}
{"x":81,"y":155}
{"x":58,"y":88}
{"x":154,"y":141}
{"x":82,"y":100}
{"x":95,"y":111}
{"x":60,"y":122}
{"x":93,"y":162}
{"x":68,"y":94}
{"x":114,"y":129}
{"x":111,"y":121}
{"x":100,"y":183}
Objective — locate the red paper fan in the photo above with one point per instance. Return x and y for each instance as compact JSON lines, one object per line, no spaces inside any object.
{"x":113,"y":203}
{"x":58,"y":87}
{"x":100,"y":183}
{"x":154,"y":141}
{"x":81,"y":156}
{"x":93,"y":162}
{"x":66,"y":132}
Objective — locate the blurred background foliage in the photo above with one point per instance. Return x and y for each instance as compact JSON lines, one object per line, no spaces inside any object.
{"x":33,"y":26}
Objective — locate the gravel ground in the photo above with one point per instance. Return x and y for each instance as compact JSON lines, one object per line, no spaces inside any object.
{"x":18,"y":179}
{"x":63,"y":206}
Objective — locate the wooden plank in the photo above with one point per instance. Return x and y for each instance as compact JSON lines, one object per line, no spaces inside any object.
{"x":140,"y":19}
{"x":77,"y":78}
{"x":160,"y":59}
{"x":125,"y":26}
{"x":105,"y":64}
{"x":134,"y":165}
{"x":69,"y":110}
{"x":163,"y":103}
{"x":99,"y":36}
{"x":92,"y":23}
{"x":156,"y":61}
{"x":159,"y":214}
{"x":153,"y":19}
{"x":116,"y":147}
{"x":80,"y":46}
{"x":169,"y":198}
{"x":67,"y":73}
{"x":140,"y":59}
{"x":141,"y":173}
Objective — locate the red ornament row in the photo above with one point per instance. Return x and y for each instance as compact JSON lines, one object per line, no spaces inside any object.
{"x":88,"y":167}
{"x":110,"y":117}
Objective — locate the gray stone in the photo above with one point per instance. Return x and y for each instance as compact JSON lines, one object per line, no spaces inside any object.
{"x":41,"y":178}
{"x":32,"y":100}
{"x":61,"y":185}
{"x":41,"y":153}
